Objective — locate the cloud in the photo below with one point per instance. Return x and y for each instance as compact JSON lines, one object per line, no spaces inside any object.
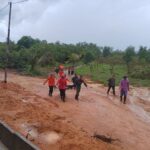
{"x":117,"y":23}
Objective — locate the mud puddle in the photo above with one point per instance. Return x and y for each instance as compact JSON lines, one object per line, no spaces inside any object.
{"x":140,"y":103}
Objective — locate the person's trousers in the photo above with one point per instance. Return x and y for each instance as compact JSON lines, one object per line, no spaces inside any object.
{"x":62,"y":94}
{"x":123,"y":93}
{"x":51,"y":90}
{"x":72,"y":72}
{"x":113,"y":88}
{"x":77,"y":92}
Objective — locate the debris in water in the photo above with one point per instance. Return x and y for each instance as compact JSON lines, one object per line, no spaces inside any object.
{"x":104,"y":138}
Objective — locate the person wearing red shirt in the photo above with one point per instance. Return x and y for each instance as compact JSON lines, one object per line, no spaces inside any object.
{"x":61,"y":73}
{"x":51,"y":83}
{"x":62,"y":85}
{"x":61,"y":70}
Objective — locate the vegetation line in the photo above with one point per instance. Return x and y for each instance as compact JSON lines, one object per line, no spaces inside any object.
{"x":35,"y":57}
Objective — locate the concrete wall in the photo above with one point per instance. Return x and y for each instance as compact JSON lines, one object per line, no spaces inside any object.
{"x":13,"y":140}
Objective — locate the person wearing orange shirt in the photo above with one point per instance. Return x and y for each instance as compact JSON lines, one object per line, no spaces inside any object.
{"x":62,"y":85}
{"x":61,"y":72}
{"x":51,"y":83}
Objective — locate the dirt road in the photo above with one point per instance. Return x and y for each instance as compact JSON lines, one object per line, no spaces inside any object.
{"x":50,"y":123}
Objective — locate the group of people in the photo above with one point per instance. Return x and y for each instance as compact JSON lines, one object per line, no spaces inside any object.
{"x":62,"y":84}
{"x":77,"y":81}
{"x":123,"y":86}
{"x":67,"y":70}
{"x":71,"y":70}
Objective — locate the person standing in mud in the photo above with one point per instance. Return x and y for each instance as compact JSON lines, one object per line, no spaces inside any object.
{"x":111,"y":84}
{"x":78,"y":83}
{"x":124,"y":88}
{"x":74,"y":80}
{"x":72,"y":70}
{"x":56,"y":70}
{"x":51,"y":83}
{"x":61,"y":72}
{"x":69,"y":71}
{"x":62,"y":85}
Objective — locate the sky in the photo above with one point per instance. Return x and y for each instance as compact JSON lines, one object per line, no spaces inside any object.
{"x":115,"y":23}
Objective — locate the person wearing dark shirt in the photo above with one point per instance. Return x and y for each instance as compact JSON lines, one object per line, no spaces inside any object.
{"x":72,"y":70}
{"x":56,"y":70}
{"x":78,"y":83}
{"x":111,"y":84}
{"x":74,"y":80}
{"x":69,"y":70}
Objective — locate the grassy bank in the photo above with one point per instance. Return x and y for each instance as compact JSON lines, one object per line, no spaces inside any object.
{"x":101,"y":73}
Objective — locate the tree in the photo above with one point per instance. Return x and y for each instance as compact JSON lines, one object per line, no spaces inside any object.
{"x":107,"y":51}
{"x":74,"y":58}
{"x":46,"y":59}
{"x":148,"y":56}
{"x":142,"y":52}
{"x":2,"y":55}
{"x":114,"y":60}
{"x":27,"y":42}
{"x":128,"y":56}
{"x":35,"y":53}
{"x":88,"y":58}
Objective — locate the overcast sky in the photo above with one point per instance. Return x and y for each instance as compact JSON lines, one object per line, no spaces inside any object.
{"x":116,"y":23}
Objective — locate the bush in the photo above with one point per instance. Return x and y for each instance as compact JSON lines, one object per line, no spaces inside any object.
{"x":141,"y":72}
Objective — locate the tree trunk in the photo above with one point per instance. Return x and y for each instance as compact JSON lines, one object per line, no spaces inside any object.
{"x":128,"y":68}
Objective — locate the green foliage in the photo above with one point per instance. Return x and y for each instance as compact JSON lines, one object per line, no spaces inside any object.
{"x":2,"y":55}
{"x":32,"y":55}
{"x":142,"y":52}
{"x":101,"y":73}
{"x":107,"y":51}
{"x":141,"y":72}
{"x":88,"y":58}
{"x":73,"y":58}
{"x":129,"y":53}
{"x":128,"y":56}
{"x":27,"y":42}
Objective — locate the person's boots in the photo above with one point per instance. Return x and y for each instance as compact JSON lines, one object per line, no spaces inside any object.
{"x":120,"y":98}
{"x":114,"y":93}
{"x":125,"y":99}
{"x":76,"y":97}
{"x":63,"y":98}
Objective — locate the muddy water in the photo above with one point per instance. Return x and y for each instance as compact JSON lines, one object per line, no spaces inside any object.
{"x":138,"y":100}
{"x":140,"y":103}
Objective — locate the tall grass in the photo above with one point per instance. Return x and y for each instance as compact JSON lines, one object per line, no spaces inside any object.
{"x":102,"y":72}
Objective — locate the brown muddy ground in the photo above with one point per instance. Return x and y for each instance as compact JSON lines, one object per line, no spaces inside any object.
{"x":52,"y":124}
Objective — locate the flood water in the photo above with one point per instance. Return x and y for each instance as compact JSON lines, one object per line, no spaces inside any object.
{"x":140,"y":103}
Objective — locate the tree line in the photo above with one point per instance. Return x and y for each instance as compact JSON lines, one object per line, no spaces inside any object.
{"x":28,"y":53}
